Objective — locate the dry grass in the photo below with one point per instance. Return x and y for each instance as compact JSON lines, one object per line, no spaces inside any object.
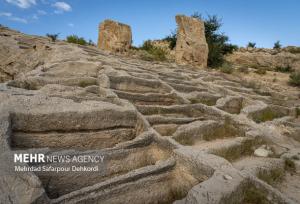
{"x":272,"y":176}
{"x":260,"y":71}
{"x":203,"y":101}
{"x":234,"y":152}
{"x":284,"y":69}
{"x":294,"y":50}
{"x":85,"y":83}
{"x":289,"y":165}
{"x":255,"y":196}
{"x":226,"y":68}
{"x":185,"y":141}
{"x":244,"y":70}
{"x":265,"y":116}
{"x":295,"y":79}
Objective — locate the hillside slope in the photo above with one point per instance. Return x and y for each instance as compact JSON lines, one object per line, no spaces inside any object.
{"x":168,"y":133}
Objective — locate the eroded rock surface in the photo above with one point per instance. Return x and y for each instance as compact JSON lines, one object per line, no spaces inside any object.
{"x":266,"y":58}
{"x":114,"y":36}
{"x":191,"y":47}
{"x":168,"y":133}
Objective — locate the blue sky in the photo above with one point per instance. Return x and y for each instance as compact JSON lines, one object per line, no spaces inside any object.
{"x":260,"y":21}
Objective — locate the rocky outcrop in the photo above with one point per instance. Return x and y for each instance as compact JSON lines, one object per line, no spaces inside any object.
{"x":191,"y":46}
{"x":114,"y":36}
{"x":266,"y":58}
{"x":231,"y":104}
{"x":20,"y":53}
{"x":167,"y":133}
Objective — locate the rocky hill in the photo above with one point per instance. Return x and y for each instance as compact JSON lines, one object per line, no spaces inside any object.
{"x":168,"y":133}
{"x":267,"y":58}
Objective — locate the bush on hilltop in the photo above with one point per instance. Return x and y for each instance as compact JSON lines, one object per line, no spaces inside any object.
{"x":77,"y":40}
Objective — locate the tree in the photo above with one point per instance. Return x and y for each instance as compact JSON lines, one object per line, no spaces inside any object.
{"x":172,"y":38}
{"x":251,"y":44}
{"x":53,"y":37}
{"x":218,"y":43}
{"x":277,"y":45}
{"x":91,"y":43}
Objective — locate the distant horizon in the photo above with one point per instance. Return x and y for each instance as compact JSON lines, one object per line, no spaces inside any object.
{"x":261,"y":22}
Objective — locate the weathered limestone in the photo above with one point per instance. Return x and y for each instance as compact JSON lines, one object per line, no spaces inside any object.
{"x":114,"y":36}
{"x":266,"y":58}
{"x":191,"y":46}
{"x":166,"y":135}
{"x":230,"y":104}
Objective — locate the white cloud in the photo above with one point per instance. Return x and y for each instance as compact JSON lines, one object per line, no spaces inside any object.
{"x":5,"y":14}
{"x":61,"y":7}
{"x":20,"y":20}
{"x":71,"y":25}
{"x":11,"y":17}
{"x":22,"y":3}
{"x":41,"y":12}
{"x":35,"y":17}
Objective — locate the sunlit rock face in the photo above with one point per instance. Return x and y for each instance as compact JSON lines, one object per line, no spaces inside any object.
{"x":191,"y":46}
{"x":114,"y":36}
{"x":167,"y":133}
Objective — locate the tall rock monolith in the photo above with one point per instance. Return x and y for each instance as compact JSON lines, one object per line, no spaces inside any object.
{"x":114,"y":36}
{"x":191,"y":45}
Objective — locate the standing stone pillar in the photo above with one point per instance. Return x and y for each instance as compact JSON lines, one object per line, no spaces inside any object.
{"x":114,"y":36}
{"x":191,"y":45}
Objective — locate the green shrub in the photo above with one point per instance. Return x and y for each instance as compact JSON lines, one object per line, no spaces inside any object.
{"x":277,"y":45}
{"x":226,"y":68}
{"x":251,"y":44}
{"x":153,"y":53}
{"x":146,"y":56}
{"x":147,"y":45}
{"x":53,"y":37}
{"x":75,"y":39}
{"x":284,"y":69}
{"x":171,"y":39}
{"x":159,"y":54}
{"x":295,"y":79}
